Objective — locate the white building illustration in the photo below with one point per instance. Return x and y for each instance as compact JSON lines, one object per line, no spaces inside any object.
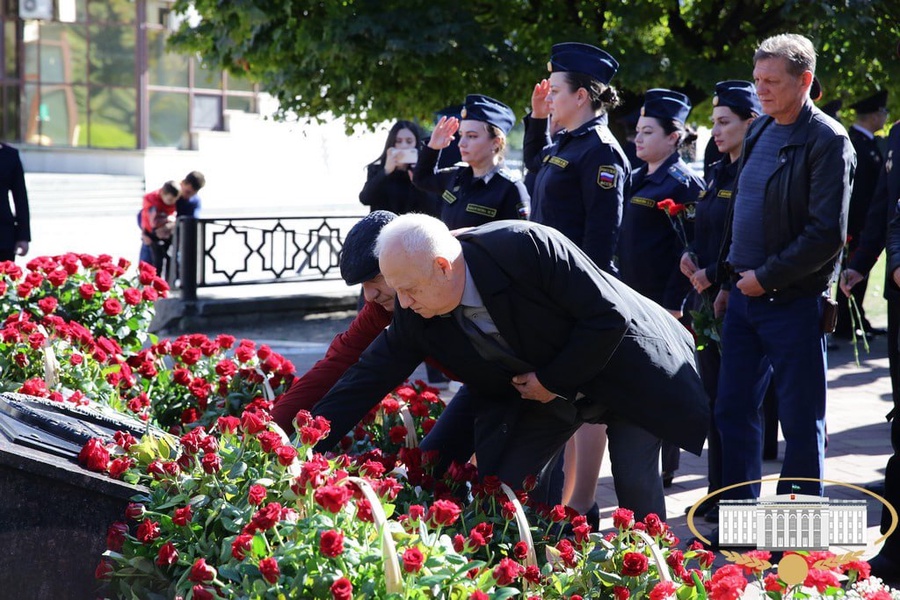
{"x":792,"y":522}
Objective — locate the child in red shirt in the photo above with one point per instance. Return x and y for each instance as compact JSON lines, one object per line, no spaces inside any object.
{"x":158,"y":220}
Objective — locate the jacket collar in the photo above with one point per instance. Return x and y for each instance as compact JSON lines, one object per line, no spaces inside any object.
{"x":799,"y":134}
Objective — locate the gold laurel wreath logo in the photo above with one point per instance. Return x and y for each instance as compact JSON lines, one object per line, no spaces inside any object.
{"x":838,"y":561}
{"x":891,"y":510}
{"x":745,"y":560}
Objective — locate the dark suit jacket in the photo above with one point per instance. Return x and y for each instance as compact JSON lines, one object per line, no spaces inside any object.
{"x":585,"y":333}
{"x":13,"y":227}
{"x":869,"y":163}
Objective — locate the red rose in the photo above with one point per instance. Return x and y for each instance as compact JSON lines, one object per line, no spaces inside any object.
{"x":257,"y":494}
{"x":286,"y":455}
{"x":167,"y":555}
{"x":413,"y":560}
{"x":115,"y":536}
{"x":225,"y":368}
{"x":507,"y":571}
{"x":112,"y":307}
{"x":48,"y":304}
{"x":134,"y":511}
{"x":268,"y":567}
{"x":310,"y":436}
{"x":149,"y":294}
{"x":228,"y":424}
{"x":191,"y":355}
{"x":120,"y":466}
{"x":342,"y":589}
{"x":86,"y":291}
{"x":520,"y":550}
{"x":269,"y":440}
{"x":201,"y":572}
{"x":267,"y":516}
{"x":443,"y":513}
{"x":654,"y":524}
{"x":241,"y":545}
{"x":103,"y":571}
{"x":481,"y":535}
{"x":479,"y":595}
{"x":557,"y":513}
{"x":663,"y":590}
{"x":332,"y":497}
{"x":623,"y":519}
{"x":331,"y":543}
{"x":201,"y":593}
{"x":621,"y":592}
{"x":397,"y":434}
{"x":182,"y":516}
{"x":94,"y":456}
{"x":211,"y":463}
{"x":132,"y":296}
{"x":147,"y":531}
{"x":103,"y":281}
{"x":124,"y":440}
{"x":253,"y":422}
{"x":634,"y":564}
{"x":224,"y":341}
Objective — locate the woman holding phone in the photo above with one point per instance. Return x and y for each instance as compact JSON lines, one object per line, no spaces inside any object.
{"x":389,"y":182}
{"x":483,"y":190}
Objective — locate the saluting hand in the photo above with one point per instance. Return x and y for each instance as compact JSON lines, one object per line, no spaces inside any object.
{"x":540,"y":103}
{"x":530,"y":388}
{"x":443,"y":133}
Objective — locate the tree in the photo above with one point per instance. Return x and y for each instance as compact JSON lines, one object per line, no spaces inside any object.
{"x":376,"y":60}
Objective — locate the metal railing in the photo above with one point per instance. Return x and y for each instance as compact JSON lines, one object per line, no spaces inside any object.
{"x":255,"y":250}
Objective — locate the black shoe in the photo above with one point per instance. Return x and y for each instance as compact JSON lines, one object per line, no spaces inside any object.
{"x":667,"y":478}
{"x":885,"y":568}
{"x":713,"y":515}
{"x":592,"y":516}
{"x":876,"y":331}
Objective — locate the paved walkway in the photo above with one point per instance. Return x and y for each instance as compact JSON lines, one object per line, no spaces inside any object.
{"x":858,"y":399}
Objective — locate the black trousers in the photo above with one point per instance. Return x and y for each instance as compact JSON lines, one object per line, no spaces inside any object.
{"x":892,"y":471}
{"x":844,"y":322}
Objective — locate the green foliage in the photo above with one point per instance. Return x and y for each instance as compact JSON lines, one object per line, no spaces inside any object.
{"x":376,"y":60}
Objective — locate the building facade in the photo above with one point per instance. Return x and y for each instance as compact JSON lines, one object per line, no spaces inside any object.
{"x":97,"y":74}
{"x":792,"y":522}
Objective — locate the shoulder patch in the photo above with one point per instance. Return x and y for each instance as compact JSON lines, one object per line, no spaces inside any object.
{"x":607,"y":177}
{"x":679,"y":173}
{"x":448,"y":197}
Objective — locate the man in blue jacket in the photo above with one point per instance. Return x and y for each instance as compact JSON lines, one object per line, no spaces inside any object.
{"x":787,"y":233}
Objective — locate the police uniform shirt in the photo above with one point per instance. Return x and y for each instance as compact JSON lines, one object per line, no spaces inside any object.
{"x":650,"y":249}
{"x":710,"y":217}
{"x":469,"y":201}
{"x":580,"y":187}
{"x":868,"y":167}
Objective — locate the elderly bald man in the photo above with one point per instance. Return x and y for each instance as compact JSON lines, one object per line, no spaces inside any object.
{"x":544,"y":339}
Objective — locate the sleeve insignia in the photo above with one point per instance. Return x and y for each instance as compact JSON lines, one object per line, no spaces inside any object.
{"x":607,"y":177}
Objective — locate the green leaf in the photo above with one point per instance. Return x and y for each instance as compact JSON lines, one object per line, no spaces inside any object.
{"x":258,"y":546}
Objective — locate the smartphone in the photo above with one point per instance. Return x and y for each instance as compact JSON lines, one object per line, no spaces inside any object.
{"x":407,"y":156}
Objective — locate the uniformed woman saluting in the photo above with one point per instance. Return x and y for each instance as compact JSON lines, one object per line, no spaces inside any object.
{"x":580,"y":186}
{"x":484,"y":190}
{"x":650,"y":248}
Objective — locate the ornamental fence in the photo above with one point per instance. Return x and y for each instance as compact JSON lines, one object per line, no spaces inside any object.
{"x":218,"y":252}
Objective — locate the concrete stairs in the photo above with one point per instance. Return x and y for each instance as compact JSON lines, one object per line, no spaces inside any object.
{"x":66,"y":195}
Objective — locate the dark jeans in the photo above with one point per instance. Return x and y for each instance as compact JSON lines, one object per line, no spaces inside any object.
{"x":763,"y":340}
{"x":892,"y":471}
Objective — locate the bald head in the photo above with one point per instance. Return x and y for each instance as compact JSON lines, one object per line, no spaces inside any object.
{"x":423,"y":262}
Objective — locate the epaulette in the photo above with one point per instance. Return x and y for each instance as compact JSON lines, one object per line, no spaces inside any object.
{"x":507,"y":174}
{"x":605,"y":135}
{"x":680,"y":174}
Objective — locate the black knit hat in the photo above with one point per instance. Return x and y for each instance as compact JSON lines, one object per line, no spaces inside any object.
{"x":358,"y":260}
